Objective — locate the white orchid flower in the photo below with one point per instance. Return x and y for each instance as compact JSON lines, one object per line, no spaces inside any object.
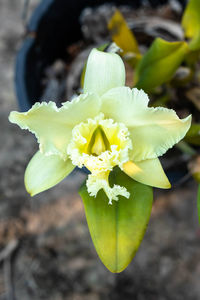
{"x":108,"y":125}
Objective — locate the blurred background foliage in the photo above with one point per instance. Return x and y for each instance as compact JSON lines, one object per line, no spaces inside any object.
{"x":166,"y":68}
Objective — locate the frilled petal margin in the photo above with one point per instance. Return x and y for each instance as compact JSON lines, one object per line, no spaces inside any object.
{"x":43,"y":172}
{"x":149,"y":172}
{"x":100,"y":181}
{"x":160,"y":130}
{"x":53,"y":126}
{"x":104,"y":71}
{"x":152,"y":130}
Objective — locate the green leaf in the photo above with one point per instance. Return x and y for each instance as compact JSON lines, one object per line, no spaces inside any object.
{"x":196,"y":177}
{"x":191,"y":23}
{"x":159,"y":64}
{"x":118,"y":229}
{"x":198,"y":202}
{"x":193,"y":135}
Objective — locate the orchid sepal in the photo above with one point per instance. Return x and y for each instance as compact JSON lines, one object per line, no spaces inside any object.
{"x":44,"y":172}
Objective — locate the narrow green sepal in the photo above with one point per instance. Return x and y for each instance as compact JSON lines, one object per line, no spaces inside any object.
{"x":118,"y":229}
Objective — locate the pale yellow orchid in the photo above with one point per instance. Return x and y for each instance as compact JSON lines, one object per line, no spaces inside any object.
{"x":108,"y":125}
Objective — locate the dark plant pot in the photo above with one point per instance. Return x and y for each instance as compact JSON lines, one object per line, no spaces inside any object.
{"x":53,"y":26}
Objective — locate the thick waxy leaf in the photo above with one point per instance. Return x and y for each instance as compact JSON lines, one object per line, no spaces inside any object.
{"x":123,"y":36}
{"x":118,"y":229}
{"x":191,"y":23}
{"x":159,"y":64}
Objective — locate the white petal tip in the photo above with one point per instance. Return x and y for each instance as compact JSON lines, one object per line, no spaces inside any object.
{"x":13,"y":116}
{"x":103,"y":72}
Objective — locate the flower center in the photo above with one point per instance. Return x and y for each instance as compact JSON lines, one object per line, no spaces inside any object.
{"x":100,"y":144}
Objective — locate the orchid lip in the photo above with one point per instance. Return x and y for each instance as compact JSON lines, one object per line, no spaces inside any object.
{"x":100,"y":144}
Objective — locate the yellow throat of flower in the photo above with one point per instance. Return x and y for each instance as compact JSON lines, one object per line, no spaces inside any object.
{"x":98,"y":143}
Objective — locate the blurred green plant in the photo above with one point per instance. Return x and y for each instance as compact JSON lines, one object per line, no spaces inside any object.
{"x":167,"y":65}
{"x":191,"y":24}
{"x":124,"y":38}
{"x":159,"y":64}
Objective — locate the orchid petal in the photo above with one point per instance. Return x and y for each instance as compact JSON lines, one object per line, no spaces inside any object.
{"x":104,"y":71}
{"x":43,"y":172}
{"x":149,"y":172}
{"x":152,"y":130}
{"x":122,"y":104}
{"x":53,"y":126}
{"x":160,"y":129}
